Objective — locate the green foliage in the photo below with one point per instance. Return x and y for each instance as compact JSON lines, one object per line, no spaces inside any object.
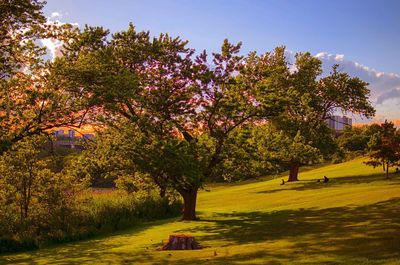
{"x":96,"y":165}
{"x":175,"y":99}
{"x":184,"y":110}
{"x":20,"y":21}
{"x":173,"y":121}
{"x":32,"y":99}
{"x":35,"y":201}
{"x":354,"y":139}
{"x":353,"y":142}
{"x":284,"y":150}
{"x":340,"y":91}
{"x":134,"y":158}
{"x":39,"y":206}
{"x":243,"y":156}
{"x":384,"y":147}
{"x":134,"y":183}
{"x":339,"y":156}
{"x":92,"y":213}
{"x":259,"y":150}
{"x":313,"y":101}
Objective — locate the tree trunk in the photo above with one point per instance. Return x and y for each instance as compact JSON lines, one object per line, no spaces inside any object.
{"x":181,"y":242}
{"x":387,"y":170}
{"x":189,"y":204}
{"x":294,"y":171}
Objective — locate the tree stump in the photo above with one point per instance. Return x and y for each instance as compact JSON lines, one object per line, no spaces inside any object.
{"x":181,"y":242}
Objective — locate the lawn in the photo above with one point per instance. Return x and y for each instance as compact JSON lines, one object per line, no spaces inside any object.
{"x":353,"y":219}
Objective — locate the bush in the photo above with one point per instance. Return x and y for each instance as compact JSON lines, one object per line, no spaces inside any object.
{"x":93,"y":213}
{"x":12,"y":245}
{"x":39,"y":207}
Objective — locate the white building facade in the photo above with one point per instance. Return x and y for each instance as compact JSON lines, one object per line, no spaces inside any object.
{"x":338,"y":123}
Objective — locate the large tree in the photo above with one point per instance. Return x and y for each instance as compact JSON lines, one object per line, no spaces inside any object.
{"x":181,"y":106}
{"x":316,"y":100}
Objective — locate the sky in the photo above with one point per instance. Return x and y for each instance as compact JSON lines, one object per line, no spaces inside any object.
{"x":363,"y":36}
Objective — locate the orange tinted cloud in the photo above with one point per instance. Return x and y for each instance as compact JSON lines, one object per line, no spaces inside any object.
{"x":396,"y":123}
{"x":82,"y":130}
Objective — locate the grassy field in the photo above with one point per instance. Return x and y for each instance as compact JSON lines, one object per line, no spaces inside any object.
{"x":353,"y":219}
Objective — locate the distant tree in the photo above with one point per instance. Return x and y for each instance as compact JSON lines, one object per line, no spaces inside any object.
{"x":296,"y":152}
{"x":315,"y":100}
{"x":28,"y":186}
{"x":384,"y":147}
{"x":103,"y":160}
{"x":278,"y":148}
{"x":355,"y":139}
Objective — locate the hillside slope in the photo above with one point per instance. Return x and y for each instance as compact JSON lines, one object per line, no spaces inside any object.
{"x":353,"y":219}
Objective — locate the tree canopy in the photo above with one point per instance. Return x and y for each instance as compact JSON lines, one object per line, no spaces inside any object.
{"x":315,"y":100}
{"x":384,"y":147}
{"x":31,"y":100}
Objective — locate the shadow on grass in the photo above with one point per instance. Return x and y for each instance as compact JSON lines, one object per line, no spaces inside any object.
{"x":303,"y":185}
{"x":81,"y":252}
{"x":371,"y":231}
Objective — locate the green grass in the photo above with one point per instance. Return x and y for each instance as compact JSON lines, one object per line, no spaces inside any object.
{"x":353,"y":219}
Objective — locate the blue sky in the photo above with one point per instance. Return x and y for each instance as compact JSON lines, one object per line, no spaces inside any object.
{"x":364,"y":34}
{"x":365,"y":31}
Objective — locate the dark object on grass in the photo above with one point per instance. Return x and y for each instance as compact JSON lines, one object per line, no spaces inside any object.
{"x":181,"y":242}
{"x":326,"y":179}
{"x":397,"y":170}
{"x":283,"y":182}
{"x":318,"y":180}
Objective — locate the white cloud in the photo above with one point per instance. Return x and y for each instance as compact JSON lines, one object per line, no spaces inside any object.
{"x":291,"y":60}
{"x":55,"y":14}
{"x":321,"y":55}
{"x":339,"y":57}
{"x":385,"y":87}
{"x":391,"y":94}
{"x":54,"y":45}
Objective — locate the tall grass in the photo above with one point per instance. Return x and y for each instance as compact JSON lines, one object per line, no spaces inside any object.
{"x":113,"y":210}
{"x":93,"y":213}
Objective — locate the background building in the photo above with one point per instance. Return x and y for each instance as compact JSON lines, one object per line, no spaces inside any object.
{"x":338,"y":123}
{"x":70,"y":140}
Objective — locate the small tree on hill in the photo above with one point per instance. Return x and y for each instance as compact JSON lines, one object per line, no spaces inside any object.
{"x":384,"y":147}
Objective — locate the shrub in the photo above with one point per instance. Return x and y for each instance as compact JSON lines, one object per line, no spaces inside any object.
{"x":39,"y":207}
{"x":91,"y":213}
